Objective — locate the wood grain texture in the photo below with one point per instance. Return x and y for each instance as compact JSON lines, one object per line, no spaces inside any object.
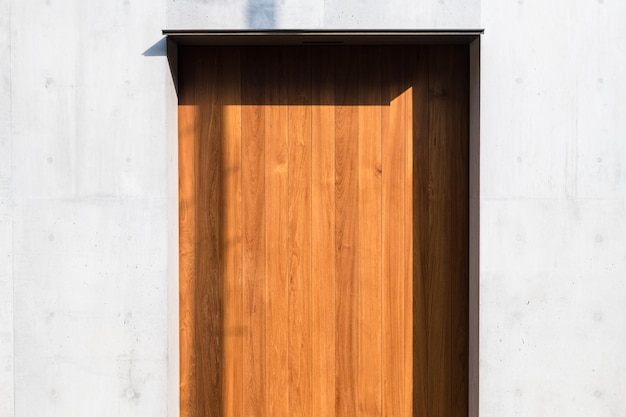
{"x":300,"y":317}
{"x":253,"y":217}
{"x":187,"y":122}
{"x":277,"y":249}
{"x":201,"y":330}
{"x":459,"y":117}
{"x":448,"y":226}
{"x":418,"y":78}
{"x":409,"y":217}
{"x":232,"y":375}
{"x":324,"y":231}
{"x":457,"y":113}
{"x":394,"y":254}
{"x":346,"y":232}
{"x":440,"y":228}
{"x":369,"y":244}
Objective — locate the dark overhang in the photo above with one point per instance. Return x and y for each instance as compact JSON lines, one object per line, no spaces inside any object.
{"x":321,"y":37}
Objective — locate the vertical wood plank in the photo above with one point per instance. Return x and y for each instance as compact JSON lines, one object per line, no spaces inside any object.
{"x":288,"y":313}
{"x":231,"y":233}
{"x":393,"y":232}
{"x":209,"y":281}
{"x":409,"y":239}
{"x":276,"y":258}
{"x":458,"y":136}
{"x":209,"y":278}
{"x":439,"y":342}
{"x":253,"y":216}
{"x":323,"y":233}
{"x":299,"y":114}
{"x":346,"y":229}
{"x":202,"y":291}
{"x":188,"y":116}
{"x":417,"y":77}
{"x":449,"y":236}
{"x":369,"y":239}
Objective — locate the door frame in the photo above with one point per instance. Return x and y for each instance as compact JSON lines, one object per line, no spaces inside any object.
{"x":470,"y":37}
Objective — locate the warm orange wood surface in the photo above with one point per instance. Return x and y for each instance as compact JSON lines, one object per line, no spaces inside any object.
{"x":277,"y":260}
{"x":346,"y":233}
{"x":231,"y":238}
{"x":299,"y":230}
{"x":323,"y":231}
{"x":254,"y":237}
{"x":394,"y":251}
{"x":369,"y":239}
{"x":323,"y":255}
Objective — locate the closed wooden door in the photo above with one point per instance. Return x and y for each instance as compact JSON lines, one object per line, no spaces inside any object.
{"x":323,"y":231}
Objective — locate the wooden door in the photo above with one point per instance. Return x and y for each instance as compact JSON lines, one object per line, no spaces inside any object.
{"x":323,"y":231}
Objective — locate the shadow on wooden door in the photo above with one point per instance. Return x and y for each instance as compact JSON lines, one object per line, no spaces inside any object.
{"x":324,"y":230}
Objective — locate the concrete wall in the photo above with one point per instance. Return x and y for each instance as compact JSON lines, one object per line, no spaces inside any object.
{"x":83,"y":209}
{"x":322,"y":14}
{"x":88,"y":197}
{"x":553,"y":214}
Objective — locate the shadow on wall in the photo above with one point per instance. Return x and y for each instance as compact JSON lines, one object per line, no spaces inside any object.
{"x":158,"y":49}
{"x":261,"y":14}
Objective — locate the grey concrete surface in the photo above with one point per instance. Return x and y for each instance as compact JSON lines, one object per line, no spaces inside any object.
{"x":88,"y":220}
{"x":6,"y":217}
{"x":85,"y":180}
{"x":322,"y":14}
{"x":553,"y":218}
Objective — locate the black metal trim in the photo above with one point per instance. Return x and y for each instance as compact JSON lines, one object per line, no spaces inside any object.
{"x":299,"y":37}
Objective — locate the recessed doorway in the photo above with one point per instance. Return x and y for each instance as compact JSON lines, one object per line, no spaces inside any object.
{"x":324,"y":230}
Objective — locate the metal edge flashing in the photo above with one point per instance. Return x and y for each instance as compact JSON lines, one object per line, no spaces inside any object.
{"x":321,"y":37}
